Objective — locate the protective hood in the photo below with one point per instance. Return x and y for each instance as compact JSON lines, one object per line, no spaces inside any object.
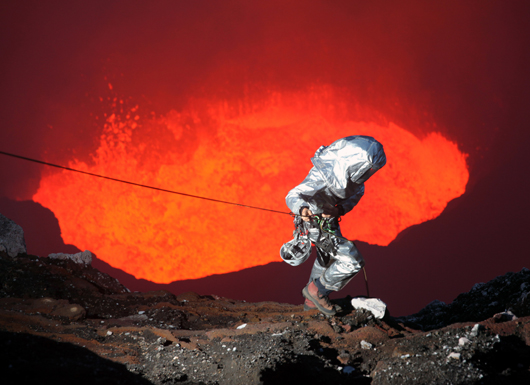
{"x":348,"y":162}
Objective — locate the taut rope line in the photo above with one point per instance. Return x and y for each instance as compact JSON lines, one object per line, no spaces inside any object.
{"x":141,"y":185}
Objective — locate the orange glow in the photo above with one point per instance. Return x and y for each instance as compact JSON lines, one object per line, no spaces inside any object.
{"x":251,"y":153}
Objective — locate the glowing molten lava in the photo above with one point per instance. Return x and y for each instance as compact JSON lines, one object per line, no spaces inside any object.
{"x":247,"y":153}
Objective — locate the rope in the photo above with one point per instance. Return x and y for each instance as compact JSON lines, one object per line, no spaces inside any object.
{"x":142,"y":185}
{"x":366,"y":281}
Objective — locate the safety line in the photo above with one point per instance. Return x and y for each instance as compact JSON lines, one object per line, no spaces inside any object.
{"x":141,"y":185}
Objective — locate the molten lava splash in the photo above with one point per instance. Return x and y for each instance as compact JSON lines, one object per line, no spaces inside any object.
{"x":250,"y":153}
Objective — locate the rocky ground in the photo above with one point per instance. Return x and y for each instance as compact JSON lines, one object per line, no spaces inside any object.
{"x":64,"y":322}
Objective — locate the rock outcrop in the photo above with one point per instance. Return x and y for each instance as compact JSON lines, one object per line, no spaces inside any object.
{"x":11,"y":237}
{"x":84,"y":257}
{"x":510,"y":292}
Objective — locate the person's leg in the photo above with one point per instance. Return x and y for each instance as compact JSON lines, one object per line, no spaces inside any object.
{"x":331,"y":271}
{"x":318,"y":299}
{"x":322,"y":261}
{"x":319,"y":266}
{"x":345,"y":264}
{"x":316,"y":296}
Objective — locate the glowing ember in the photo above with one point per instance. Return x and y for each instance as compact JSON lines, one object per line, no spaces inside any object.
{"x":246,"y":153}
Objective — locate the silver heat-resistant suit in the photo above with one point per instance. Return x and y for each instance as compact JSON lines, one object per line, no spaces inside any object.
{"x":336,"y":180}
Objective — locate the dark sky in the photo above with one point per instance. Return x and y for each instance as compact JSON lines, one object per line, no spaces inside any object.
{"x":462,"y":65}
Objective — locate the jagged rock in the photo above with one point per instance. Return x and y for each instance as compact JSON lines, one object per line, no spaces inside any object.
{"x":84,"y":257}
{"x":344,"y":358}
{"x":373,"y":305}
{"x":504,"y":316}
{"x":30,"y":276}
{"x":507,"y":295}
{"x":366,"y":345}
{"x":476,"y":330}
{"x":11,"y":237}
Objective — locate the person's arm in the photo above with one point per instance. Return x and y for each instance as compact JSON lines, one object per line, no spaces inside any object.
{"x":300,"y":199}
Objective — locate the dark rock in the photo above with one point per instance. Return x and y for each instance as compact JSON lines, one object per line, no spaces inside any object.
{"x":11,"y":237}
{"x":507,"y":293}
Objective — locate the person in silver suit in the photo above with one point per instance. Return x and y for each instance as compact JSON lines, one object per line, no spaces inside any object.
{"x":333,"y":187}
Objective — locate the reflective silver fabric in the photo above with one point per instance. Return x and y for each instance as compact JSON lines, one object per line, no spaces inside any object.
{"x":338,"y":266}
{"x":337,"y":175}
{"x":337,"y":179}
